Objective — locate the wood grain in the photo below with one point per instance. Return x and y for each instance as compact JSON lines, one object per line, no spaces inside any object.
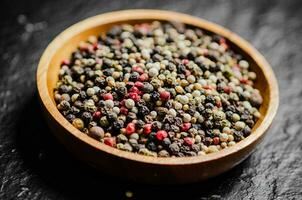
{"x":133,"y":166}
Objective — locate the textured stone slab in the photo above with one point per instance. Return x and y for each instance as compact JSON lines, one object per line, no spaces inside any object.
{"x":34,"y":166}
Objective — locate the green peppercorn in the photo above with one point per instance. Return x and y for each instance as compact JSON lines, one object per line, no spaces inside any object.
{"x":78,"y":123}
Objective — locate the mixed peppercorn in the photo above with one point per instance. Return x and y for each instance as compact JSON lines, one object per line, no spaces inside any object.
{"x":159,"y":89}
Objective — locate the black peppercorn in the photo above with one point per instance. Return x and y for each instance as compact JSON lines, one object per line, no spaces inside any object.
{"x":166,"y":142}
{"x":139,"y":124}
{"x":86,"y":117}
{"x":144,"y":110}
{"x":238,"y":136}
{"x":107,"y":72}
{"x":64,"y":89}
{"x":111,"y":116}
{"x":70,"y":117}
{"x":156,"y":125}
{"x":154,"y":96}
{"x":151,"y":146}
{"x":147,"y":88}
{"x":134,"y":76}
{"x":101,"y":82}
{"x":246,"y":131}
{"x":121,"y":91}
{"x":181,"y":69}
{"x":114,"y":31}
{"x":117,"y":125}
{"x":83,"y":95}
{"x":131,"y":116}
{"x":229,"y":114}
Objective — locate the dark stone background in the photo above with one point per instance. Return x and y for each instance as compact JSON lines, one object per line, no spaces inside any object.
{"x":34,"y":166}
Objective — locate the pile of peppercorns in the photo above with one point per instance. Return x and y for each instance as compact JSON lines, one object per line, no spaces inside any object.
{"x":159,"y":89}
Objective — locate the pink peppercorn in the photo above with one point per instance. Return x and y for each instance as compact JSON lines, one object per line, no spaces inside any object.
{"x":207,"y":87}
{"x":96,"y":115}
{"x":122,"y":102}
{"x":218,"y":104}
{"x":187,"y":72}
{"x":227,"y":89}
{"x":137,"y":69}
{"x":147,"y":129}
{"x":188,"y":141}
{"x":110,"y":141}
{"x":134,"y":96}
{"x":107,"y":96}
{"x":130,"y":128}
{"x":165,"y":96}
{"x":160,"y":135}
{"x":143,"y":77}
{"x":124,"y":110}
{"x":243,"y":80}
{"x":222,"y":41}
{"x":135,"y":90}
{"x":65,"y":62}
{"x":96,"y":46}
{"x":216,"y":140}
{"x":144,"y":28}
{"x":99,"y":61}
{"x":138,"y":84}
{"x":186,"y":126}
{"x":185,"y":61}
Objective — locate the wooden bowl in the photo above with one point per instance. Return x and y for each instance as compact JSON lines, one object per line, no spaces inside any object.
{"x":138,"y":167}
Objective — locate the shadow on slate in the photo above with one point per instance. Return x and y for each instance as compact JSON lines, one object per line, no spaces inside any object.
{"x":60,"y":171}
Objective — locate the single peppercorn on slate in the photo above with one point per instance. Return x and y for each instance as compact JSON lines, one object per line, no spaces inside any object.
{"x":159,"y":90}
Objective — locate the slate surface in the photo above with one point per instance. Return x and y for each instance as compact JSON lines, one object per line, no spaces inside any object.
{"x":34,"y":166}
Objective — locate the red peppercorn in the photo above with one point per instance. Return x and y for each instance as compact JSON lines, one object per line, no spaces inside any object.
{"x":96,"y":46}
{"x":216,"y":140}
{"x":134,"y":96}
{"x":207,"y":87}
{"x":99,"y":61}
{"x":227,"y":89}
{"x":222,"y":41}
{"x":147,"y":129}
{"x":160,"y":135}
{"x":122,"y":102}
{"x":187,"y":72}
{"x":65,"y":62}
{"x":124,"y":110}
{"x":205,"y":52}
{"x":185,"y":61}
{"x":96,"y":115}
{"x":165,"y":96}
{"x":236,"y":68}
{"x":186,"y":126}
{"x":243,"y":80}
{"x":135,"y":90}
{"x":224,"y":45}
{"x":138,"y":84}
{"x":188,"y":141}
{"x":130,"y":128}
{"x":143,"y":28}
{"x":218,"y":104}
{"x":107,"y":96}
{"x":137,"y":69}
{"x":110,"y":141}
{"x":143,"y":77}
{"x":83,"y":47}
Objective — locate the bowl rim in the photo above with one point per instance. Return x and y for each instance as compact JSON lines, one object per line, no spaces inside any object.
{"x":163,"y":15}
